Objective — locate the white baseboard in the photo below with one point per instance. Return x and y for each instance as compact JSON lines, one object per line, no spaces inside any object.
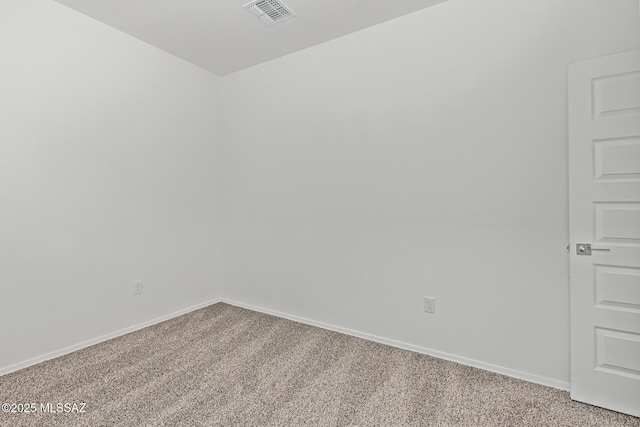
{"x":550,"y":382}
{"x":93,"y":341}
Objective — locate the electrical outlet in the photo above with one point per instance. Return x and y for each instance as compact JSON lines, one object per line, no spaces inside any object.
{"x":137,"y":287}
{"x":429,"y":304}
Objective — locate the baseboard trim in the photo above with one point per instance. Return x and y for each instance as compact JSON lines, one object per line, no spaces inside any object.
{"x":93,"y":341}
{"x":549,"y":382}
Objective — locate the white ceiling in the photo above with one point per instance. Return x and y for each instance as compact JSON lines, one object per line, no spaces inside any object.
{"x":222,"y":37}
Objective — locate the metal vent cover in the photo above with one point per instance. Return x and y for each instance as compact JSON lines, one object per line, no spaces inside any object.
{"x":270,"y":11}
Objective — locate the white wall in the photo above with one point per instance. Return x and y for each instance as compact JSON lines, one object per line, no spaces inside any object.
{"x":109,"y":172}
{"x":424,"y":156}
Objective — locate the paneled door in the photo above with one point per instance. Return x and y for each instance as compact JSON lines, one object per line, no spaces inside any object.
{"x":604,"y":201}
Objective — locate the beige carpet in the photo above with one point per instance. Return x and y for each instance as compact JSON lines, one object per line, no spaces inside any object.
{"x":227,"y":366}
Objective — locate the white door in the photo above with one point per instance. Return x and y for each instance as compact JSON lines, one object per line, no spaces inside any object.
{"x":604,"y":187}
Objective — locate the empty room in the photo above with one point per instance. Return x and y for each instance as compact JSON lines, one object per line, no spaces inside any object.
{"x":320,"y":213}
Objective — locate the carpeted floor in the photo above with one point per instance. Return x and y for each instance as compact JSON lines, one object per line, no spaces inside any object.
{"x":227,"y":366}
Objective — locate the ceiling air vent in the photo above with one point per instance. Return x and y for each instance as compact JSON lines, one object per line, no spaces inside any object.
{"x":270,"y":11}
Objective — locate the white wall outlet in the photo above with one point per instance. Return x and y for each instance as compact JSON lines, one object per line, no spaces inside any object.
{"x":137,"y":287}
{"x":429,"y":304}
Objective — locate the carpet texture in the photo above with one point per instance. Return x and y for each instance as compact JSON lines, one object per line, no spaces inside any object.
{"x":227,"y":366}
